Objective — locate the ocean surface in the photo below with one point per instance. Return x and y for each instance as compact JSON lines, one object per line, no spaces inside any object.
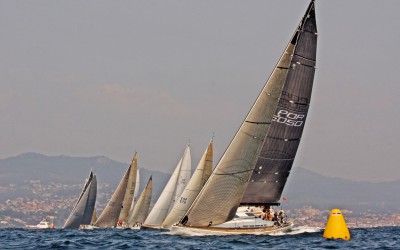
{"x":298,"y":238}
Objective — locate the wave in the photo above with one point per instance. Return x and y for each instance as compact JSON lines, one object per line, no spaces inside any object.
{"x":298,"y":230}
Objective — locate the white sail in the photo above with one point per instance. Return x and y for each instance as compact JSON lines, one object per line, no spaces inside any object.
{"x":199,"y":178}
{"x":109,"y":216}
{"x":142,"y":206}
{"x":136,"y":194}
{"x":85,"y":204}
{"x":130,"y":190}
{"x":184,"y":177}
{"x":165,"y":201}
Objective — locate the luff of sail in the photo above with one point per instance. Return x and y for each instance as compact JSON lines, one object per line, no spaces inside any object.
{"x":142,"y":206}
{"x":283,"y":137}
{"x":85,"y":204}
{"x":199,"y":178}
{"x":227,"y":184}
{"x":165,"y":201}
{"x":109,"y":217}
{"x":130,"y":190}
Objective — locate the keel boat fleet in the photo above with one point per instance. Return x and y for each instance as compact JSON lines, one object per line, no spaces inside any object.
{"x":237,"y":197}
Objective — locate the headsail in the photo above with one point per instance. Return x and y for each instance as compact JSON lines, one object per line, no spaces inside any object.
{"x":227,"y":184}
{"x":199,"y":178}
{"x":84,"y":206}
{"x":130,"y":190}
{"x":109,"y":217}
{"x":141,"y":209}
{"x":166,"y":199}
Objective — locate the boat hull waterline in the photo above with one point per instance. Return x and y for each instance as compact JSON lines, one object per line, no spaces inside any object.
{"x":190,"y":231}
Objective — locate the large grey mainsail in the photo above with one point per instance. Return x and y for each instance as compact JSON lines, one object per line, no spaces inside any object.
{"x":109,"y":217}
{"x":222,"y":194}
{"x":283,"y":137}
{"x":142,"y":206}
{"x":84,"y":207}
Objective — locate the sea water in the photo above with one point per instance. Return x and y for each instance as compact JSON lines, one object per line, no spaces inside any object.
{"x":298,"y":238}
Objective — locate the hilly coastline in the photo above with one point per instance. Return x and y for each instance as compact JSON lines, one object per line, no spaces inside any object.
{"x":31,"y":179}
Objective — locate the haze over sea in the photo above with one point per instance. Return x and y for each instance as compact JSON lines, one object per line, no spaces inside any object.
{"x":299,"y":238}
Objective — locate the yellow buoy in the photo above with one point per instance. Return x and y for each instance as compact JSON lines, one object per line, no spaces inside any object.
{"x":336,"y":227}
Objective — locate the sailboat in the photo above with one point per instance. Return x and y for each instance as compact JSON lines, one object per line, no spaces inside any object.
{"x":199,"y":178}
{"x":83,"y":210}
{"x":129,"y":193}
{"x":171,"y":192}
{"x":142,"y":207}
{"x":255,"y":166}
{"x":109,"y":217}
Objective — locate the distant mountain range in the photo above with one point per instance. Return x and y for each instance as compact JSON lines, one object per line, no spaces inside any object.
{"x":304,"y":187}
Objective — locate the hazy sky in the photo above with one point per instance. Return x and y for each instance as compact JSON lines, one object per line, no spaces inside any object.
{"x":87,"y":78}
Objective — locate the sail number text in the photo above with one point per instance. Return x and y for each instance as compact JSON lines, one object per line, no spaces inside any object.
{"x":288,"y":118}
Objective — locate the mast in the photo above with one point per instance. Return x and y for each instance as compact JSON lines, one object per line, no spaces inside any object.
{"x":227,"y":184}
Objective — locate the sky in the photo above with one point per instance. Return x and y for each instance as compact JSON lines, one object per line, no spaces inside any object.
{"x":89,"y":78}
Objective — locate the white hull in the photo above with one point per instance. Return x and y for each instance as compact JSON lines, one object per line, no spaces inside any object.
{"x":42,"y":225}
{"x":193,"y":231}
